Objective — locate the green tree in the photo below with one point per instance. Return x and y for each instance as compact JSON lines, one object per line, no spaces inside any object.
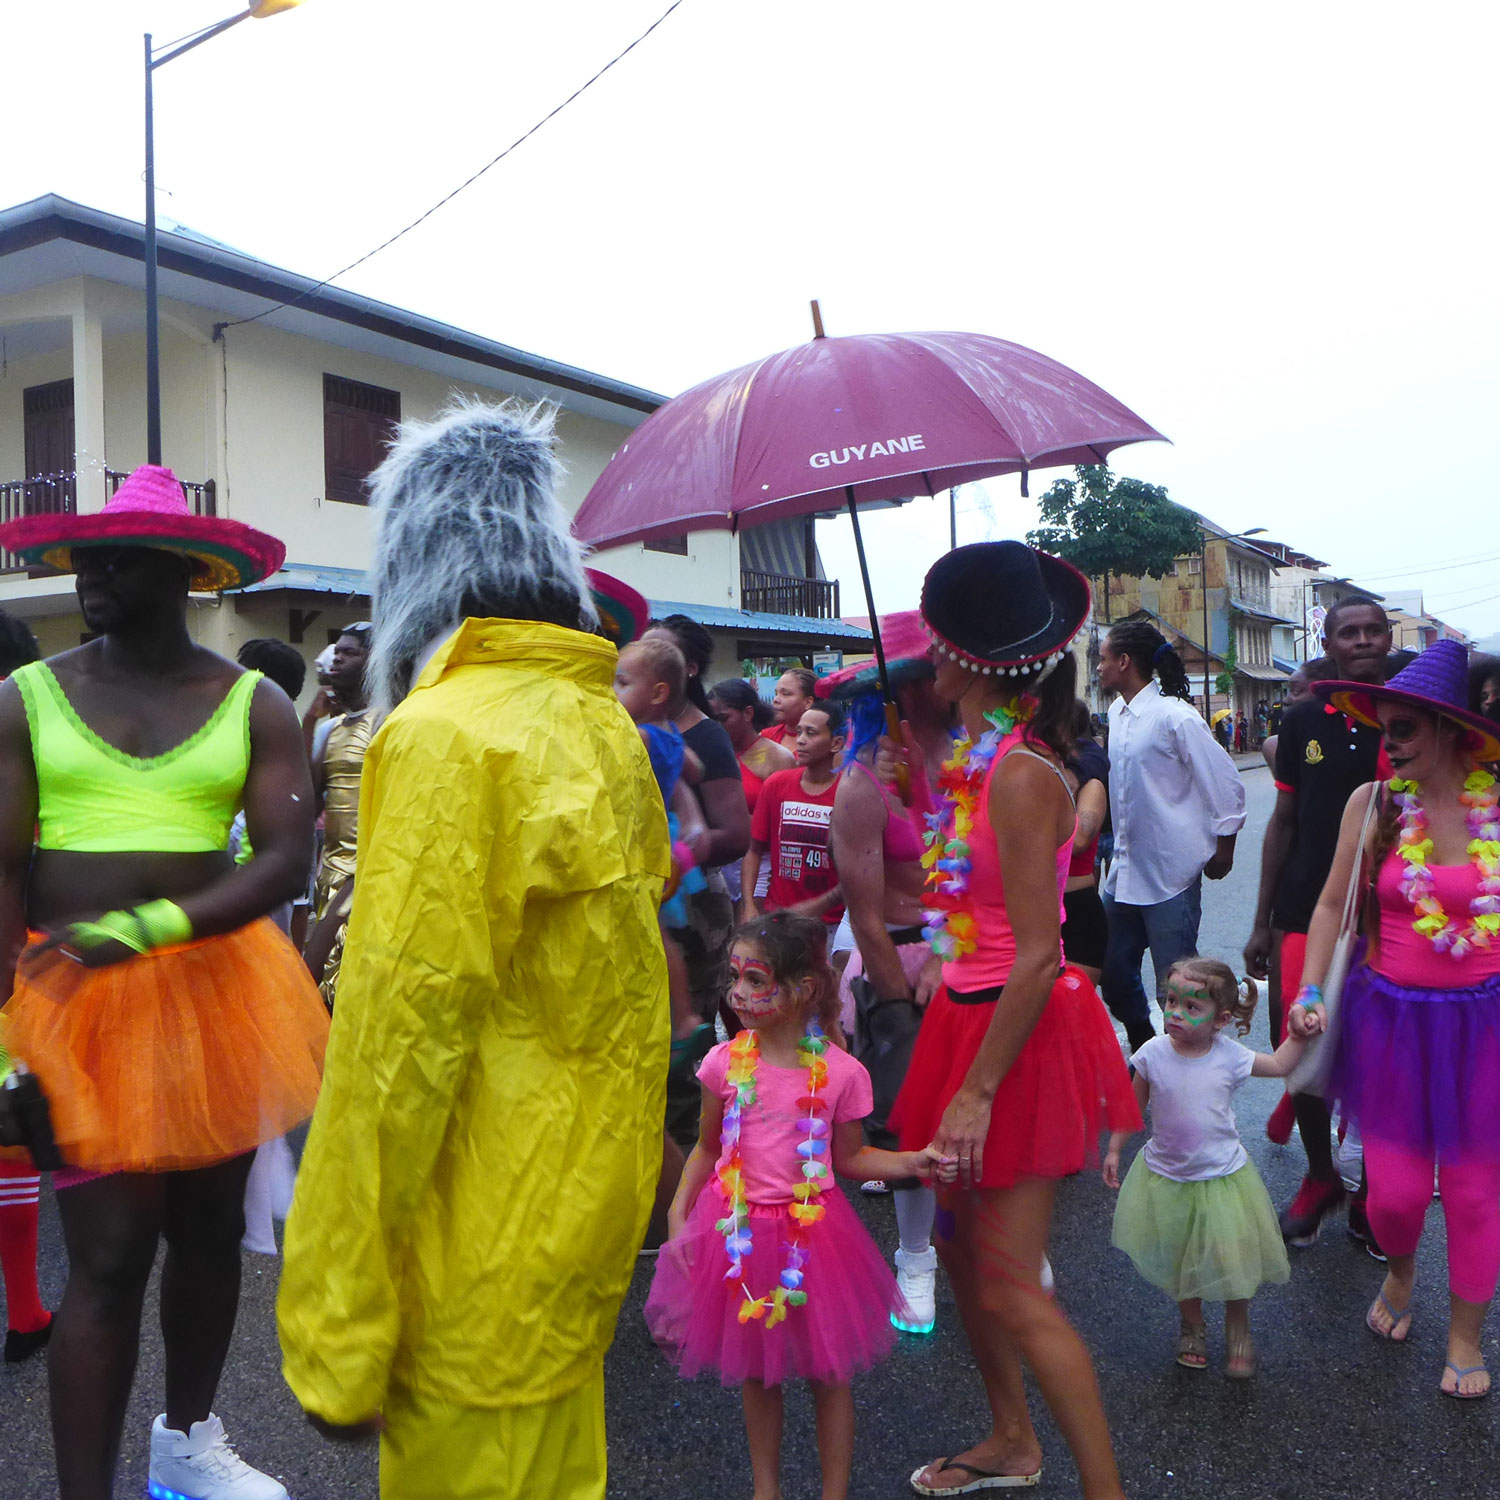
{"x":1224,"y":682}
{"x":1104,"y":526}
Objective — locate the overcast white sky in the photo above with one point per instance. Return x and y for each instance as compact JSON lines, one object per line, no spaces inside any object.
{"x":1268,"y":229}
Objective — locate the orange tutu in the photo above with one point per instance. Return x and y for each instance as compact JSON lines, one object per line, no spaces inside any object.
{"x":175,"y":1059}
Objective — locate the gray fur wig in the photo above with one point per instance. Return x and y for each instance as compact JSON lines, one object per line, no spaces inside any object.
{"x":469,"y":524}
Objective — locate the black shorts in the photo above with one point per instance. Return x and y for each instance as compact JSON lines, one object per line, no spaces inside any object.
{"x":1085,"y":933}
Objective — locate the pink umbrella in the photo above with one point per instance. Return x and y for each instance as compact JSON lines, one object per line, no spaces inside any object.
{"x":874,"y":417}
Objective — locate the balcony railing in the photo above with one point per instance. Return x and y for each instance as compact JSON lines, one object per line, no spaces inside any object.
{"x":41,"y":495}
{"x":781,"y":594}
{"x":53,"y":494}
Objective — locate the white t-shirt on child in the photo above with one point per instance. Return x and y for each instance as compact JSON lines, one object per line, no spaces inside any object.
{"x":1193,"y":1134}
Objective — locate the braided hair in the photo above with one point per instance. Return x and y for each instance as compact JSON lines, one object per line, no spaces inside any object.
{"x":1150,"y":650}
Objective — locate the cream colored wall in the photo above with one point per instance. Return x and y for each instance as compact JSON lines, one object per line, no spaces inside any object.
{"x":189,"y":391}
{"x":709,"y":574}
{"x":19,"y":374}
{"x":248,"y":413}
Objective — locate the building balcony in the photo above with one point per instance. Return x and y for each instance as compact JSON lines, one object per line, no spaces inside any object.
{"x":783,"y":594}
{"x":54,"y":494}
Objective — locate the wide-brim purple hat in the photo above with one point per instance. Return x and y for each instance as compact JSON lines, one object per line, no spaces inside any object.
{"x":1437,"y":681}
{"x":151,"y":510}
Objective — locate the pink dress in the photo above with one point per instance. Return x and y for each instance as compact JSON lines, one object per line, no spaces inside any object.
{"x":844,"y":1326}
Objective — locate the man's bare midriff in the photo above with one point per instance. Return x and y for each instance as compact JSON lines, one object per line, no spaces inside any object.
{"x":66,"y":884}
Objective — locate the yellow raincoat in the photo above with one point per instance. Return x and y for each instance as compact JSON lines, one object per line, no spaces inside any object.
{"x":488,"y":1138}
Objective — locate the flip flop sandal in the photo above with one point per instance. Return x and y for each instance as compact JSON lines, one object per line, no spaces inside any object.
{"x":984,"y":1479}
{"x":1192,"y":1346}
{"x":1241,"y":1353}
{"x":1458,"y":1375}
{"x":1398,"y":1316}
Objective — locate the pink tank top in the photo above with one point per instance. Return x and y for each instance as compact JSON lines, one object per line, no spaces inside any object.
{"x":900,"y":844}
{"x":1409,"y":958}
{"x":990,"y":963}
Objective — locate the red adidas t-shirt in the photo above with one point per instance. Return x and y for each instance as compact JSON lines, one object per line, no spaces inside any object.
{"x":793,"y":825}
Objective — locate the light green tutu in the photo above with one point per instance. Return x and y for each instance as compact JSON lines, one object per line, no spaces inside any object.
{"x":1216,"y":1239}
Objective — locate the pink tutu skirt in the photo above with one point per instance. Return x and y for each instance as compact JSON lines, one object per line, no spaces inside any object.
{"x":843,"y":1327}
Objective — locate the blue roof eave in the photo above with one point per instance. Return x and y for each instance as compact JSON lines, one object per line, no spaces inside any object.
{"x":353,"y":583}
{"x":719,"y":617}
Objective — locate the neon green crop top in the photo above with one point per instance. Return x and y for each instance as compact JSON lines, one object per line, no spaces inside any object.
{"x":95,"y":799}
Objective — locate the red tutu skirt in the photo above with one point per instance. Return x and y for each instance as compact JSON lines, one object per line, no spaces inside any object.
{"x":844,"y":1327}
{"x":1068,"y":1084}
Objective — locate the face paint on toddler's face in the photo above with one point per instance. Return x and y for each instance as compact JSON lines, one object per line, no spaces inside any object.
{"x":754,"y":994}
{"x":1187,"y":1008}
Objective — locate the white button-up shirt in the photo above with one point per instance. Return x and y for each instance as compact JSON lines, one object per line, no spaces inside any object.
{"x":1173,"y":790}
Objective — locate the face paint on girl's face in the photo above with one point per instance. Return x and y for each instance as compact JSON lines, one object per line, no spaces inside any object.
{"x":1187,"y":1008}
{"x":754,"y":995}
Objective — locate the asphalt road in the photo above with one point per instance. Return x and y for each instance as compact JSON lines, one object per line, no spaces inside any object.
{"x":1333,"y":1413}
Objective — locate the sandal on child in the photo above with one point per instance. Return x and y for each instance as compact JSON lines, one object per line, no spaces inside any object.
{"x":1240,"y":1363}
{"x":1398,"y":1316}
{"x":984,"y":1479}
{"x":1192,"y":1346}
{"x":1458,"y":1377}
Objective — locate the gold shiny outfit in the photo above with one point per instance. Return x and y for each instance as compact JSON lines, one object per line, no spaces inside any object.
{"x":343,"y":762}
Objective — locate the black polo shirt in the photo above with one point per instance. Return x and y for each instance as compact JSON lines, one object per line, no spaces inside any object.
{"x":1322,"y":758}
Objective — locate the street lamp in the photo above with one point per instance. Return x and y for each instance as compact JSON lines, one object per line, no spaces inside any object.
{"x":258,"y":10}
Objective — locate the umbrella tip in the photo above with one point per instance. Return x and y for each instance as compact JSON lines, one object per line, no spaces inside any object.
{"x":817,"y":313}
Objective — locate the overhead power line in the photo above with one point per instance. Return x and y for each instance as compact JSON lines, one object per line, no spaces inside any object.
{"x":469,"y":182}
{"x":1415,"y":570}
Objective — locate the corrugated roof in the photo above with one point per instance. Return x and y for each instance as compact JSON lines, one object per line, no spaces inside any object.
{"x":313,"y":580}
{"x":718,"y":617}
{"x":352,"y":583}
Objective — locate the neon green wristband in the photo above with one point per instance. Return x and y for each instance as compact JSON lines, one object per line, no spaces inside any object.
{"x":163,"y":923}
{"x":113,"y":927}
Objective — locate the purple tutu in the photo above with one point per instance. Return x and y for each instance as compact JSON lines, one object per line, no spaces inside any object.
{"x":1420,"y":1068}
{"x":843,"y":1327}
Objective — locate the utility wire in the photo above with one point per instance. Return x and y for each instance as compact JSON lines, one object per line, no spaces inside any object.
{"x":520,"y":140}
{"x":1414,"y":570}
{"x":1455,"y":603}
{"x":167,"y":46}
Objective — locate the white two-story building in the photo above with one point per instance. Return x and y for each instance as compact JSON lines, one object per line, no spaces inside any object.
{"x":278,"y":422}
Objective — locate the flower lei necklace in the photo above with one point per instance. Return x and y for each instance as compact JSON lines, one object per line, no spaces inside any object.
{"x":744,"y":1061}
{"x":950,"y":922}
{"x":1417,"y":885}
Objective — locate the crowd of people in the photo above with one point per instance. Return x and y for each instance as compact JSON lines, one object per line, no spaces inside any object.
{"x":617,"y":959}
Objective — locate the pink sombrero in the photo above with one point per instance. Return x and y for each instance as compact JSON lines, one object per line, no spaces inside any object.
{"x":905,"y":639}
{"x":623,"y":613}
{"x":150,"y":510}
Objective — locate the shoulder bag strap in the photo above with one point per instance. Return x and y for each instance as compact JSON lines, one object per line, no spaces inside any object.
{"x":1355,"y":893}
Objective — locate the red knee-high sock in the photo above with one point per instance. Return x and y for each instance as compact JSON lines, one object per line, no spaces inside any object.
{"x":19,"y":1189}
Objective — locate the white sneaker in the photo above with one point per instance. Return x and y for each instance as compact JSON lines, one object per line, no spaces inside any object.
{"x":875,"y":1188}
{"x":1049,"y":1281}
{"x":201,"y":1465}
{"x":916,"y":1280}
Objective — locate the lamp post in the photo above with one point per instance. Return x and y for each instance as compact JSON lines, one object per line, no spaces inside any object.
{"x":258,"y":10}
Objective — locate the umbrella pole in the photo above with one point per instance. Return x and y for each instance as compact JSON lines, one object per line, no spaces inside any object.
{"x":892,"y":714}
{"x":864,"y":578}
